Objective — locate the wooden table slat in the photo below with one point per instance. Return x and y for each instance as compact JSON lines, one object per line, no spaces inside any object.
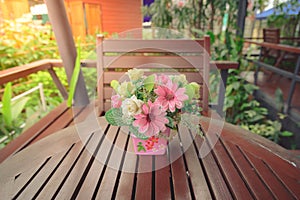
{"x":93,"y":180}
{"x":110,"y":177}
{"x":275,"y":185}
{"x":216,"y":180}
{"x":197,"y":177}
{"x":64,"y":120}
{"x":248,"y":173}
{"x":60,"y":174}
{"x":71,"y":180}
{"x":292,"y":183}
{"x":162,"y":177}
{"x":144,"y":178}
{"x":33,"y":190}
{"x":237,"y":185}
{"x":179,"y":172}
{"x":126,"y":181}
{"x":228,"y":134}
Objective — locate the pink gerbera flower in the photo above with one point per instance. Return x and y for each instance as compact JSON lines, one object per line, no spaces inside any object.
{"x":170,"y":96}
{"x":116,"y":101}
{"x":152,"y":120}
{"x":162,"y":79}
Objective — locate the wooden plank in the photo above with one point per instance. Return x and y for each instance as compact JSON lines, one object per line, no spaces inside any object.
{"x":73,"y":179}
{"x":292,"y":183}
{"x":109,"y":180}
{"x":85,"y":114}
{"x":54,"y":183}
{"x":219,"y":64}
{"x":100,"y":72}
{"x":236,"y":183}
{"x":179,"y":173}
{"x":32,"y":190}
{"x":172,"y":61}
{"x":20,"y":162}
{"x":215,"y":178}
{"x":271,"y":153}
{"x":93,"y":180}
{"x":263,"y":148}
{"x":258,"y":188}
{"x":58,"y":83}
{"x":116,"y":45}
{"x":126,"y":182}
{"x":195,"y":171}
{"x":275,"y":185}
{"x":32,"y":132}
{"x":223,"y":64}
{"x":63,"y":121}
{"x":144,"y":178}
{"x":282,"y":47}
{"x":23,"y":71}
{"x":190,"y":76}
{"x":162,"y":177}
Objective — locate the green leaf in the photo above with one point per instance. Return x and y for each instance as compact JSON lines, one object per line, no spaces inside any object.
{"x":74,"y":79}
{"x":18,"y":106}
{"x":141,"y":147}
{"x":286,"y":134}
{"x":114,"y":117}
{"x":114,"y":84}
{"x":149,"y":82}
{"x":135,"y":131}
{"x":6,"y":102}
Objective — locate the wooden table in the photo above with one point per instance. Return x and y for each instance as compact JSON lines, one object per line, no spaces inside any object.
{"x":62,"y":166}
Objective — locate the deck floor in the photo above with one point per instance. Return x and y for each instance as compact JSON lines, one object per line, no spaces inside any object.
{"x":269,"y":83}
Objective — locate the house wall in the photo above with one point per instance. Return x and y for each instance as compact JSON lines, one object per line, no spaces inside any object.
{"x":12,"y":9}
{"x":119,"y":15}
{"x":110,"y":16}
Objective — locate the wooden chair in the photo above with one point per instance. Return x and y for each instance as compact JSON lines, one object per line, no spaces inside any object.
{"x":116,"y":56}
{"x":270,"y":35}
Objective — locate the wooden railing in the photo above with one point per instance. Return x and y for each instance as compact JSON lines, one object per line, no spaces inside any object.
{"x":293,"y":76}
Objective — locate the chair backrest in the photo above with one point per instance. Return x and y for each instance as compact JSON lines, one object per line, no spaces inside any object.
{"x":116,"y":56}
{"x":271,"y":35}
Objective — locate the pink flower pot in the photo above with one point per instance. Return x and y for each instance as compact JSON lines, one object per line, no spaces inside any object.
{"x":151,"y":146}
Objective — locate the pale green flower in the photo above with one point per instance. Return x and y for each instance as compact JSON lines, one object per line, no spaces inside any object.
{"x":180,"y":79}
{"x":135,"y":74}
{"x":126,"y":89}
{"x":196,"y":87}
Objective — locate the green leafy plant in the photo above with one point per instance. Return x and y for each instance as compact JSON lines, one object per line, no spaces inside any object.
{"x":74,"y":78}
{"x":11,"y":110}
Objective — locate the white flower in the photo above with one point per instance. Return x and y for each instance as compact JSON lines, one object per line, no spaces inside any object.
{"x":135,"y":74}
{"x":126,"y":89}
{"x":131,"y":106}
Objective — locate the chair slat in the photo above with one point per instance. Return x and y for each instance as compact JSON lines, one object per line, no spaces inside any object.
{"x":137,"y":45}
{"x":137,"y":61}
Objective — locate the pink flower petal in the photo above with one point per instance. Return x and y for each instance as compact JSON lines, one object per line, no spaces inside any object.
{"x":145,"y":109}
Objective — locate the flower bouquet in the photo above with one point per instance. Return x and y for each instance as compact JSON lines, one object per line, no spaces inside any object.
{"x":151,"y":106}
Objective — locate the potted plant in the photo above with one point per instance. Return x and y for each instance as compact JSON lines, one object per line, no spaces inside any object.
{"x":152,"y":107}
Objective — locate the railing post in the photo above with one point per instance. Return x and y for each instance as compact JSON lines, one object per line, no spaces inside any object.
{"x":257,"y":69}
{"x":222,"y":90}
{"x":292,"y":87}
{"x":64,"y":37}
